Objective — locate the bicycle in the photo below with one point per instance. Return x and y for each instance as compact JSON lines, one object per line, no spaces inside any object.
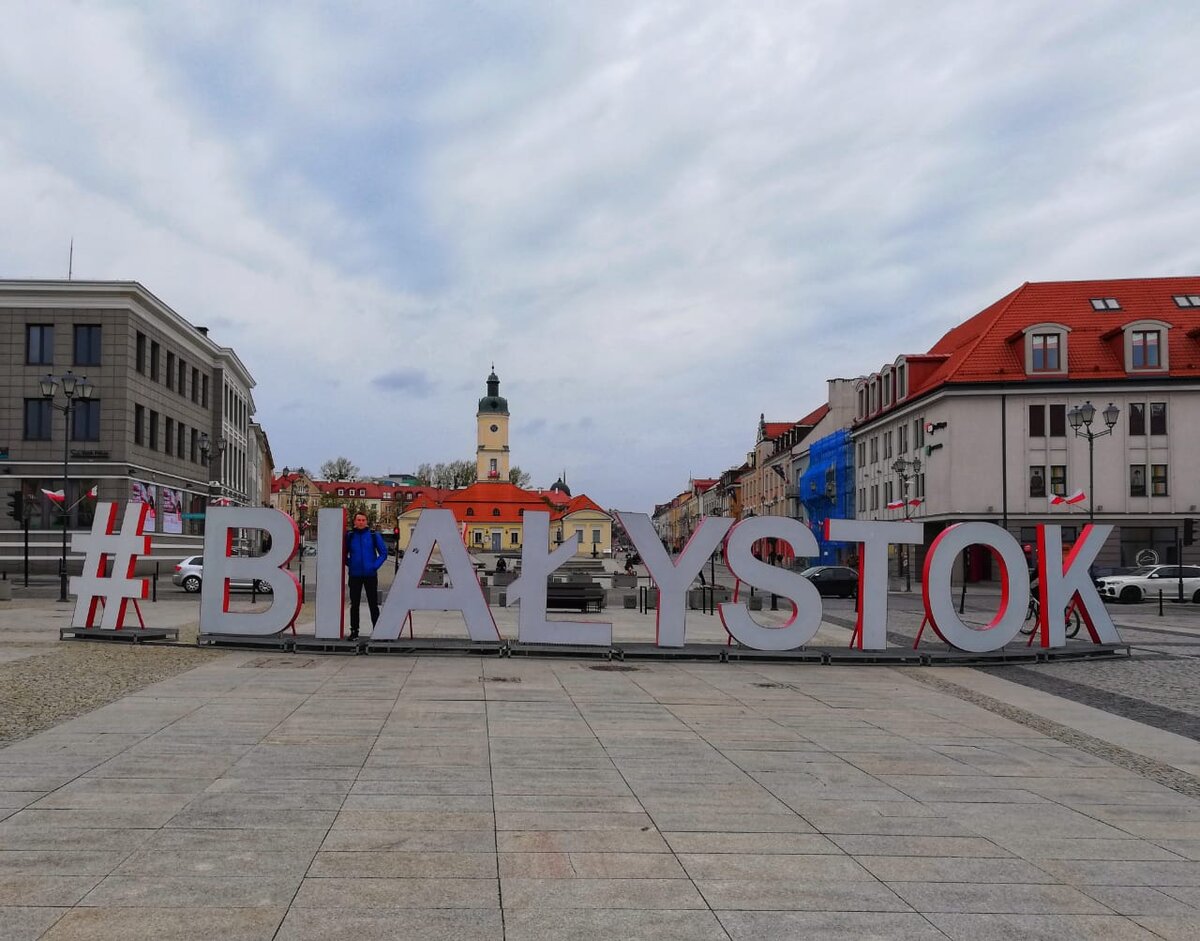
{"x":1072,"y":621}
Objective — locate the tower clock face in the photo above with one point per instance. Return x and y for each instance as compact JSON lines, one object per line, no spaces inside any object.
{"x":495,"y":428}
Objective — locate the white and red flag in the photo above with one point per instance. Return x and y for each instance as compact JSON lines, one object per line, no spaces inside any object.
{"x":1058,"y":499}
{"x":55,"y":495}
{"x":897,"y":504}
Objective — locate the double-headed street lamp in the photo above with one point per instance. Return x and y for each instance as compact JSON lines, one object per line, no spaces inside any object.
{"x":1081,"y":418}
{"x":74,"y":389}
{"x":907,"y":470}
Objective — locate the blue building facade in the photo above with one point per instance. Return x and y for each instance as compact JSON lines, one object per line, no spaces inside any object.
{"x":826,"y":490}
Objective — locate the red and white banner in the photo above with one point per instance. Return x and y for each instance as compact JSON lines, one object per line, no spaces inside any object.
{"x":1058,"y":499}
{"x":897,"y":504}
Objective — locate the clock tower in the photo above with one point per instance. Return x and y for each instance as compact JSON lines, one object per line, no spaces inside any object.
{"x":491,"y":452}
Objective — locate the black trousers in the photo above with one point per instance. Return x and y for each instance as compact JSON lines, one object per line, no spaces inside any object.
{"x":357,"y":584}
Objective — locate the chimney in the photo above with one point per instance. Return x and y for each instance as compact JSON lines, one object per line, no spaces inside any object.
{"x":203,"y":331}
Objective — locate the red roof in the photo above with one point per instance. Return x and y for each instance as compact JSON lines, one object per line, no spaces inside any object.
{"x":815,"y":415}
{"x":988,"y":347}
{"x":773,"y":429}
{"x":501,"y":502}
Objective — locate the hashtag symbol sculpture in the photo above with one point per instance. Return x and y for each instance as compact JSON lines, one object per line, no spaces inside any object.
{"x":95,"y":587}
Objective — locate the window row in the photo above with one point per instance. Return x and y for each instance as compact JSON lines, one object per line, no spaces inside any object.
{"x":84,"y":420}
{"x":1139,"y":475}
{"x":148,"y":360}
{"x":39,"y":344}
{"x":1141,"y":345}
{"x":1053,"y":418}
{"x":895,"y":441}
{"x":175,"y":440}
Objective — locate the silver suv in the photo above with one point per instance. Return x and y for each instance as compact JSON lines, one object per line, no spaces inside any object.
{"x":1147,"y":581}
{"x":189,"y":575}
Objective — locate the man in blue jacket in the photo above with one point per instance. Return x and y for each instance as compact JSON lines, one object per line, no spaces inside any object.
{"x":365,"y":552}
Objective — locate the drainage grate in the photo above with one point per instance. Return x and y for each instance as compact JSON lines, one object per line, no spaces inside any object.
{"x":500,"y":679}
{"x":279,"y":663}
{"x":614,"y":668}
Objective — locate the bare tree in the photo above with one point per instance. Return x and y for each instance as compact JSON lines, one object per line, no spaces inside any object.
{"x":340,"y":468}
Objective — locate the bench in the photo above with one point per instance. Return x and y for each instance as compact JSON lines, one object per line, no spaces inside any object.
{"x":576,"y":596}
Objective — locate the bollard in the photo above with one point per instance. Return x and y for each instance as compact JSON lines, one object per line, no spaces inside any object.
{"x":303,"y":597}
{"x":154,"y":590}
{"x":962,"y":599}
{"x":254,"y":591}
{"x":774,"y":602}
{"x":1160,"y":610}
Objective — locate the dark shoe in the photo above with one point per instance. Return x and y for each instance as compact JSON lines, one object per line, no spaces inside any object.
{"x":353,"y":637}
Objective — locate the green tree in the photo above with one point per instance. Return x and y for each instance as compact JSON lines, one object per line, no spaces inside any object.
{"x":519,"y":477}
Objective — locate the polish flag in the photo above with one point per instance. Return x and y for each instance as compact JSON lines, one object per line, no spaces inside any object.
{"x":1058,"y":499}
{"x":92,"y":493}
{"x":894,"y":505}
{"x":915,"y":503}
{"x":55,"y":495}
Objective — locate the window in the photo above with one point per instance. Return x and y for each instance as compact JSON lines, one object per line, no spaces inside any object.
{"x":470,"y":511}
{"x":1158,"y":418}
{"x":921,"y":485}
{"x":862,"y":498}
{"x":478,"y":537}
{"x":85,"y":420}
{"x":171,"y":371}
{"x":195,"y":384}
{"x":87,"y":344}
{"x":1058,"y":421}
{"x":182,"y":377}
{"x":1037,"y":480}
{"x":141,"y":353}
{"x":180,"y":438}
{"x":875,"y":449}
{"x":514,"y":538}
{"x":875,"y":496}
{"x":862,"y":453}
{"x":579,"y":533}
{"x":39,"y":344}
{"x":154,"y":361}
{"x":595,"y":537}
{"x":341,"y":491}
{"x":1045,"y":352}
{"x":153,"y":442}
{"x":1145,"y":349}
{"x":195,"y":446}
{"x":887,"y":492}
{"x":1105,"y":303}
{"x":1137,"y":480}
{"x":1137,"y":418}
{"x":139,"y":422}
{"x":887,"y":445}
{"x":170,"y":436}
{"x":1058,"y":479}
{"x":1187,"y":300}
{"x":902,"y":434}
{"x":495,"y":511}
{"x":38,"y":416}
{"x":901,"y":382}
{"x":204,"y":392}
{"x":1158,"y":480}
{"x":918,"y":433}
{"x":1037,"y":421}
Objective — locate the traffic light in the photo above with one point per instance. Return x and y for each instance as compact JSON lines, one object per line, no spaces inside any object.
{"x":1189,"y":531}
{"x":16,"y":506}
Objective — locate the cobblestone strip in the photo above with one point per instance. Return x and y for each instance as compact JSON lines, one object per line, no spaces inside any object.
{"x":1156,"y":771}
{"x":41,"y":691}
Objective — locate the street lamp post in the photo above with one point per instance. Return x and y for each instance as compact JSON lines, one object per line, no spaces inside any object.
{"x":1081,"y":418}
{"x":206,"y":449}
{"x":74,"y":389}
{"x":907,"y":470}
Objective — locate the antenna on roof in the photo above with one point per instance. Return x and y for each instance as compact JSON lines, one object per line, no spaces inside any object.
{"x":71,"y":258}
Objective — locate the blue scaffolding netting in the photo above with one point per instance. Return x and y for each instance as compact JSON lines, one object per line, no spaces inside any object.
{"x":827,"y":489}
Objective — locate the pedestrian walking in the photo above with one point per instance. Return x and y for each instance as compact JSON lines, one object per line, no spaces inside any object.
{"x":365,"y":552}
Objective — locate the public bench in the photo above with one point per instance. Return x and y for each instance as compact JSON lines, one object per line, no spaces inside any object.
{"x":576,"y":596}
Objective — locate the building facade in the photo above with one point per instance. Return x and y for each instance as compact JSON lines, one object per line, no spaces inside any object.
{"x":168,"y":422}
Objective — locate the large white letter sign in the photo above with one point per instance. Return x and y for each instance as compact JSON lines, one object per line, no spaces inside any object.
{"x":220,"y":565}
{"x":875,"y":537}
{"x":1014,"y":587}
{"x":436,"y":527}
{"x":673,"y":578}
{"x":1059,"y":581}
{"x":330,"y":613}
{"x":537,"y":562}
{"x":94,"y":586}
{"x":799,"y":591}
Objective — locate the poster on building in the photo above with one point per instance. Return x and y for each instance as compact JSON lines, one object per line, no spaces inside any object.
{"x":172,"y":510}
{"x":140,"y":492}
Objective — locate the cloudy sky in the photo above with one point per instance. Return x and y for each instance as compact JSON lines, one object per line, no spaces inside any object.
{"x":658,"y":219}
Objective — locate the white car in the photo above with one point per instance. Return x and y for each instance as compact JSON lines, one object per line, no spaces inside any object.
{"x":190,"y":572}
{"x":1146,"y":582}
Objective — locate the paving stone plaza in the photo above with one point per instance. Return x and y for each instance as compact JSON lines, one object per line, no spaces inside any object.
{"x":253,"y":794}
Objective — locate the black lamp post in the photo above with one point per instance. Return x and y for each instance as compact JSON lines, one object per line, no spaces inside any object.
{"x":1081,"y":418}
{"x":907,"y":470}
{"x":74,"y":389}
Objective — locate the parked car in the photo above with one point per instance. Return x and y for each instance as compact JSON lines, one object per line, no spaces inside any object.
{"x":189,"y":575}
{"x":839,"y":580}
{"x":1146,"y":582}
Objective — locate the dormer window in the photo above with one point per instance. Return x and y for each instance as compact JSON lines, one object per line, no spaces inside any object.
{"x":1187,"y":300}
{"x":1105,"y":303}
{"x":341,"y":491}
{"x":1046,"y":349}
{"x":886,"y":382}
{"x":1145,"y":345}
{"x":1046,"y":352}
{"x":470,"y":511}
{"x":1144,"y":349}
{"x":901,"y":382}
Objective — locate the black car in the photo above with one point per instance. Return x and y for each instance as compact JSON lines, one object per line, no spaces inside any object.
{"x":832,"y":580}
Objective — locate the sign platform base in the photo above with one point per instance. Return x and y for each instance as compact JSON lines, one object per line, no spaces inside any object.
{"x":281,"y":641}
{"x":128,"y":635}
